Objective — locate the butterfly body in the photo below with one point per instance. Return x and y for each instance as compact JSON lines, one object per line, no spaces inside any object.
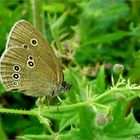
{"x":29,"y":64}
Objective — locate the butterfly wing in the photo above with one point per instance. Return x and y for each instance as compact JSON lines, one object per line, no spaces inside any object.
{"x":28,"y":63}
{"x":23,"y":33}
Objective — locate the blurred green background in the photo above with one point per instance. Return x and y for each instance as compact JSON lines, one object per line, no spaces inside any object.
{"x":85,"y":34}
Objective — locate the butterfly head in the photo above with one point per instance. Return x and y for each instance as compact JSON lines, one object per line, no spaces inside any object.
{"x":60,"y":88}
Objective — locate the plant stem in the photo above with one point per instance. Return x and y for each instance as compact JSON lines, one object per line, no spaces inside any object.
{"x":28,"y":112}
{"x":34,"y":112}
{"x":15,"y":111}
{"x":38,"y":16}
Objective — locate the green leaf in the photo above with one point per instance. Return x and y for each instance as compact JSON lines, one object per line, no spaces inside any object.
{"x":54,"y":7}
{"x":99,"y":83}
{"x":3,"y":135}
{"x":87,"y":123}
{"x":74,"y":93}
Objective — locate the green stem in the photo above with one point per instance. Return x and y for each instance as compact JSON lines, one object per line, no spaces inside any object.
{"x":29,"y":112}
{"x":52,"y":109}
{"x":38,"y":16}
{"x":67,"y":107}
{"x":15,"y":111}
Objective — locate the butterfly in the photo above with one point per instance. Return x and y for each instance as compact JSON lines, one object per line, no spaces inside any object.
{"x":29,"y":64}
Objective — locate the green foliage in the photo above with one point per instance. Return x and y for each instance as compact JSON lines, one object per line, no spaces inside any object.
{"x":89,"y":37}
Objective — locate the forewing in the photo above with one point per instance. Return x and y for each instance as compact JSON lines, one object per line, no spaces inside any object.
{"x":23,"y":33}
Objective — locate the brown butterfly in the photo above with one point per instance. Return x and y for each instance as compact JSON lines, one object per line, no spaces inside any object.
{"x":29,"y":64}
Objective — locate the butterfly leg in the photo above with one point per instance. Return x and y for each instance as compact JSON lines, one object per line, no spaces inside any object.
{"x":39,"y":104}
{"x":48,"y":101}
{"x":60,"y":101}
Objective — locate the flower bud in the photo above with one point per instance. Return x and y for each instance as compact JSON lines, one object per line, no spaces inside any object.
{"x":118,"y":68}
{"x":101,"y":119}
